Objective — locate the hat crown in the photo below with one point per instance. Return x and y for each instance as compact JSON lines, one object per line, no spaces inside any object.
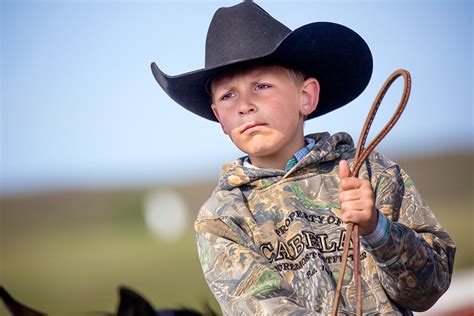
{"x":241,"y":32}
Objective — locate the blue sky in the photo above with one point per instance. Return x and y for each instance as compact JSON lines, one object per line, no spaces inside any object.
{"x":80,"y":107}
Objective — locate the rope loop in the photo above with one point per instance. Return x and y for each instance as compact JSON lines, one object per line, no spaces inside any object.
{"x":359,"y":158}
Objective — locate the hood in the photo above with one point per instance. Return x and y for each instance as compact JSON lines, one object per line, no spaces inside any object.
{"x":327,"y":148}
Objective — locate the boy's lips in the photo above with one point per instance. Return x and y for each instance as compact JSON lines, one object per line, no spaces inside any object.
{"x":245,"y":127}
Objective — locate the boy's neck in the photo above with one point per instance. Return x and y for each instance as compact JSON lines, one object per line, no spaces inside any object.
{"x":279,"y":159}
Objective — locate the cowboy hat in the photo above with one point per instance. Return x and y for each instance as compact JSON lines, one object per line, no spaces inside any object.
{"x":246,"y":34}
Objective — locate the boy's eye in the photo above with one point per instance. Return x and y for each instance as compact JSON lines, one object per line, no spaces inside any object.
{"x":226,"y":96}
{"x":261,"y":86}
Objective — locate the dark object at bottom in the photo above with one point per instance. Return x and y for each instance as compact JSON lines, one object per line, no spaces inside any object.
{"x":131,"y":304}
{"x":15,"y":307}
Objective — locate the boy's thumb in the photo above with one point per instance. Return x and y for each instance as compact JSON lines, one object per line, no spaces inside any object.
{"x":344,"y":170}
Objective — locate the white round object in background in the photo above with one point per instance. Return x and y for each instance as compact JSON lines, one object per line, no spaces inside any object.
{"x":165,"y":214}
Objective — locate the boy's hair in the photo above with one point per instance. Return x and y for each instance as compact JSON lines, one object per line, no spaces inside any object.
{"x":297,"y":76}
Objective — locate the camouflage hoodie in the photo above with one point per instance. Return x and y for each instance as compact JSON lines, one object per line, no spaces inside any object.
{"x":273,"y":246}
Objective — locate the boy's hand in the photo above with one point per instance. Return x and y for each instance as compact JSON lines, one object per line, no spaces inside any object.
{"x":357,"y":201}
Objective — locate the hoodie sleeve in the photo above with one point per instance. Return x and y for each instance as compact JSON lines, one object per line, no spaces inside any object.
{"x":416,"y":257}
{"x":241,"y":279}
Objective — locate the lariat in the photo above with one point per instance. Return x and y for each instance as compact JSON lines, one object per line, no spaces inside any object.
{"x":359,"y":158}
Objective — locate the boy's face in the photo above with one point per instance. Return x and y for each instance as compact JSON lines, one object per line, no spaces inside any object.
{"x":262,"y":109}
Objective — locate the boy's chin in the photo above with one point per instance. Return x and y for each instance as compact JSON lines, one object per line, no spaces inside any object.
{"x":252,"y":146}
{"x":257,"y":150}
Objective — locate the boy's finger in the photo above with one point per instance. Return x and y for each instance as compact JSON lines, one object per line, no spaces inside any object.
{"x":350,"y":183}
{"x":344,"y":171}
{"x":348,"y":195}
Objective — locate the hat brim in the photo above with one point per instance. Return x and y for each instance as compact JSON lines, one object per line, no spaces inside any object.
{"x":332,"y":53}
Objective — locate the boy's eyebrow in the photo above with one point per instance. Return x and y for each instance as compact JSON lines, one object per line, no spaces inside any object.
{"x":223,"y":88}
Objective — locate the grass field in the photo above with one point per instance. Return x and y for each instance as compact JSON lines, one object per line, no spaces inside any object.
{"x":67,"y":252}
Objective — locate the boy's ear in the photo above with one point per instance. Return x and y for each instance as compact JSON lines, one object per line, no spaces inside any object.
{"x":216,"y":114}
{"x":310,"y":94}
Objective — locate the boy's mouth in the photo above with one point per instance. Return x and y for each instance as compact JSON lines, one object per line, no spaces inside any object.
{"x":247,"y":126}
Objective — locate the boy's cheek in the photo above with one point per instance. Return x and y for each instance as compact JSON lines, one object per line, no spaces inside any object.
{"x":223,"y":128}
{"x":222,"y":124}
{"x":234,"y":136}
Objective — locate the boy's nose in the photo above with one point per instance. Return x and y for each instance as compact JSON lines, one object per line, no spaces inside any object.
{"x":246,"y":107}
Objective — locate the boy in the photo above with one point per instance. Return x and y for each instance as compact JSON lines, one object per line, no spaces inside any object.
{"x":270,"y":237}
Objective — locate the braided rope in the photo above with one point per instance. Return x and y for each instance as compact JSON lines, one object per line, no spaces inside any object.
{"x":359,"y":158}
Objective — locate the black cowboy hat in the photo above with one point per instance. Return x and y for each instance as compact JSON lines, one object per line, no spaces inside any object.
{"x":246,"y":34}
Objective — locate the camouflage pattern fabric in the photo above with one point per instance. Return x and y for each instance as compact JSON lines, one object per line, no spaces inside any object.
{"x":273,"y":246}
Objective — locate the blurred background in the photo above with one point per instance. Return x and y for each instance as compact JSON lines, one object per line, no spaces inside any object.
{"x":102,"y":174}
